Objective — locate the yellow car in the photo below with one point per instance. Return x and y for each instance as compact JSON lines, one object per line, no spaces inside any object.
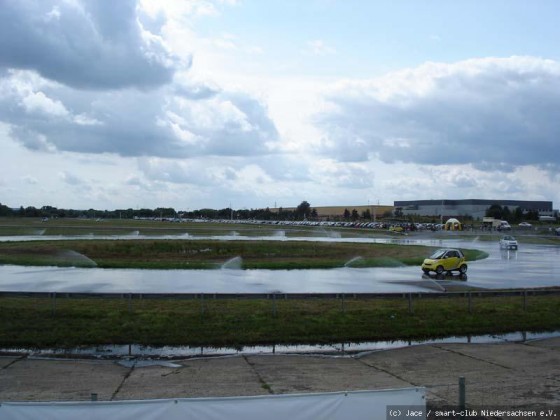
{"x":445,"y":260}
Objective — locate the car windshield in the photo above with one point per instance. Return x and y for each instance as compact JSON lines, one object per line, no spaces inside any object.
{"x":509,"y":238}
{"x":438,"y":254}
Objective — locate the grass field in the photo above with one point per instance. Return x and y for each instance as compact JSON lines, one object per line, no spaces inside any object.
{"x":37,"y":323}
{"x":31,"y":226}
{"x":200,"y":253}
{"x":41,"y":323}
{"x":190,"y":245}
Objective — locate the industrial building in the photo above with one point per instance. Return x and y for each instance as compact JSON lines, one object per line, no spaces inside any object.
{"x":337,"y":212}
{"x":474,"y":208}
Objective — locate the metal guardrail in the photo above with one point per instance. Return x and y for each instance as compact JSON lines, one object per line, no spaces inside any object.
{"x":291,"y":296}
{"x":203,"y":298}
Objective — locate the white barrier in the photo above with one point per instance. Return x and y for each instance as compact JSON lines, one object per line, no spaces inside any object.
{"x":355,"y":405}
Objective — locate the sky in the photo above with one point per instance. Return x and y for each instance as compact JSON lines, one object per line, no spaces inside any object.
{"x":251,"y":104}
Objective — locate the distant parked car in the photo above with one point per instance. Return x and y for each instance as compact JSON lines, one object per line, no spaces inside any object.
{"x":503,"y":226}
{"x":508,"y":242}
{"x":445,"y":260}
{"x":525,"y":225}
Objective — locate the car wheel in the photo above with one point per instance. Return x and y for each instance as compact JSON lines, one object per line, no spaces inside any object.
{"x":463,"y":269}
{"x":439,"y":269}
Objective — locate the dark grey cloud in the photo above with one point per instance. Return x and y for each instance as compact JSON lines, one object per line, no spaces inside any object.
{"x":131,"y":122}
{"x":245,"y":132}
{"x":219,"y":170}
{"x":86,"y":44}
{"x":492,"y":113}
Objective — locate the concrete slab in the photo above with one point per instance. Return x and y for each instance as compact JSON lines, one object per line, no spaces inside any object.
{"x":294,"y":374}
{"x":435,"y":368}
{"x":213,"y":377}
{"x":507,"y":374}
{"x":59,"y":380}
{"x":551,"y":343}
{"x":432,"y":366}
{"x":531,"y":379}
{"x":515,"y":391}
{"x":6,"y":361}
{"x":516,"y":356}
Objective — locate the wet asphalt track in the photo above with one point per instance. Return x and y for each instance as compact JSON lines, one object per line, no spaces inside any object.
{"x":531,"y":266}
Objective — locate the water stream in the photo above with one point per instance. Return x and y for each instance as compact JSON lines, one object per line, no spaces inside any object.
{"x":234,"y":263}
{"x":132,"y":351}
{"x":350,"y":262}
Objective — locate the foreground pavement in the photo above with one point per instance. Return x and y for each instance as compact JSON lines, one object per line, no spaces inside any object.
{"x":509,"y":375}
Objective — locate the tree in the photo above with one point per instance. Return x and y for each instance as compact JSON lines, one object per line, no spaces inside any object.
{"x":165,"y":212}
{"x":303,"y":210}
{"x":346,"y":214}
{"x":532,"y":215}
{"x":32,"y":212}
{"x":506,"y":214}
{"x":355,"y":215}
{"x":5,"y":210}
{"x":495,"y":211}
{"x":518,"y":214}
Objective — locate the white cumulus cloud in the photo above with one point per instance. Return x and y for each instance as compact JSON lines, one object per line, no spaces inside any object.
{"x":492,"y":113}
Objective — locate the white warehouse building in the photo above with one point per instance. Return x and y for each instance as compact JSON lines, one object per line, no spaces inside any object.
{"x":475,"y":208}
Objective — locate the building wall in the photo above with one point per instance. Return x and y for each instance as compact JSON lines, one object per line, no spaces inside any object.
{"x":475,"y":208}
{"x":332,"y":212}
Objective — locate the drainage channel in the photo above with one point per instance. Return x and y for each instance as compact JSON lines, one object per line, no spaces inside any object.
{"x":133,"y":351}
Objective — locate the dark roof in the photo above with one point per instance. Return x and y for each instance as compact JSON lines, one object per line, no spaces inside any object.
{"x":530,"y":205}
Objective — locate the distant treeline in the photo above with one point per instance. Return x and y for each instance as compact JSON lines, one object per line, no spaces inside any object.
{"x":504,"y":213}
{"x":303,"y":211}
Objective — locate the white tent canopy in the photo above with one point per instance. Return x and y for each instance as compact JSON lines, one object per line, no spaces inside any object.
{"x":453,"y":224}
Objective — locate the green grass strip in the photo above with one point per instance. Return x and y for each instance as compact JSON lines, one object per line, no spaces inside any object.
{"x":198,"y":254}
{"x":41,"y":322}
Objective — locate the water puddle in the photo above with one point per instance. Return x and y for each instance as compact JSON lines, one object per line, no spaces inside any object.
{"x":133,"y":351}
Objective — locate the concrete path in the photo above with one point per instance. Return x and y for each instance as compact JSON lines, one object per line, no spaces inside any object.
{"x":505,"y":374}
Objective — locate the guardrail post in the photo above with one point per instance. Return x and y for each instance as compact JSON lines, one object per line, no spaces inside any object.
{"x":462,"y":394}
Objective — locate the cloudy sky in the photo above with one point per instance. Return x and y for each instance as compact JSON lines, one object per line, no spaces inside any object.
{"x":256,"y":103}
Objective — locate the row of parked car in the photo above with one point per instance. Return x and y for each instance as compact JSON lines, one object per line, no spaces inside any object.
{"x":395,"y":227}
{"x":359,"y":225}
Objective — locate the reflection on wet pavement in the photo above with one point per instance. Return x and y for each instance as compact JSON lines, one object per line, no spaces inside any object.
{"x":530,"y":266}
